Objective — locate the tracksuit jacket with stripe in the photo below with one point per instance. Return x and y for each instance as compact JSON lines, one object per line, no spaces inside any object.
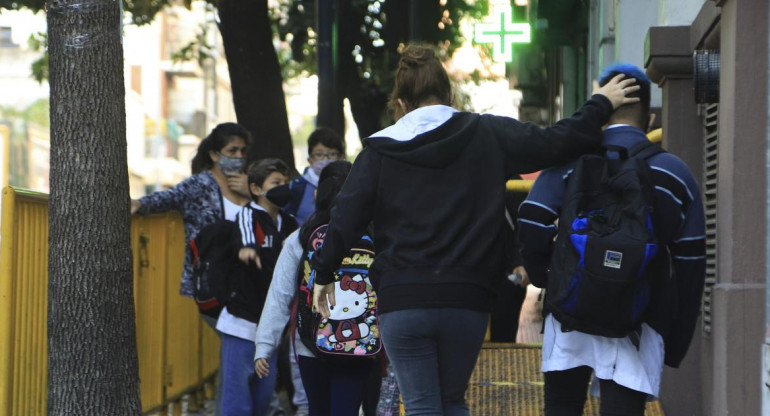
{"x":257,"y":231}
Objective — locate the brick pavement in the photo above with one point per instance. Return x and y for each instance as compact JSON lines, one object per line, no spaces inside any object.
{"x":530,"y":323}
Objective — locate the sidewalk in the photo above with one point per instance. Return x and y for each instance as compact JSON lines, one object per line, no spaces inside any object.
{"x":507,"y":380}
{"x":530,"y":323}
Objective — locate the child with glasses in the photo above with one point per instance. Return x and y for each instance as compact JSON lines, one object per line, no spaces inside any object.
{"x":324,"y":146}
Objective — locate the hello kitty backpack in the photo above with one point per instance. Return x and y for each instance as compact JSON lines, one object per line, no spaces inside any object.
{"x":352,"y":329}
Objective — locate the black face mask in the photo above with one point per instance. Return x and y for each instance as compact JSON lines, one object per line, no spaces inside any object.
{"x":280,"y":195}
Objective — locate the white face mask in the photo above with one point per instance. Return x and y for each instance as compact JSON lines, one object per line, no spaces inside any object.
{"x":319,"y":165}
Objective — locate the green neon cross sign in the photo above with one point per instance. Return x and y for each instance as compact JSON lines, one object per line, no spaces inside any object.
{"x":502,"y":33}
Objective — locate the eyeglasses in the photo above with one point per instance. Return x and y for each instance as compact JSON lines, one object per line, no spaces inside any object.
{"x":326,"y":156}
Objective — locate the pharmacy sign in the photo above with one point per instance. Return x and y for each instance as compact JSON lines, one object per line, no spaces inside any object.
{"x":502,"y":33}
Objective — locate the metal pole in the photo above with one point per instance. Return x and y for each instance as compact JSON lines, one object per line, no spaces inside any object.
{"x":766,"y":345}
{"x":329,"y":102}
{"x":417,"y":11}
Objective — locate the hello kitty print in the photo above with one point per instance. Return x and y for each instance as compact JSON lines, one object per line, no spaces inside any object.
{"x":352,"y":327}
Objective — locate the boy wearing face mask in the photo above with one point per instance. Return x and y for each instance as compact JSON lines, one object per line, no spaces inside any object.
{"x":262,"y":231}
{"x":324,"y":146}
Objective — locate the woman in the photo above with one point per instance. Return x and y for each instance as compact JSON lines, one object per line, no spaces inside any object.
{"x":433,"y":184}
{"x":216,"y":191}
{"x":333,"y":387}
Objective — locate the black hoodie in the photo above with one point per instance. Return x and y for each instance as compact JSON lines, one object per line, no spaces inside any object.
{"x":437,"y":204}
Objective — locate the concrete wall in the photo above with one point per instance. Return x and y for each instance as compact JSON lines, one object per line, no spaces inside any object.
{"x":740,"y":293}
{"x":678,"y":12}
{"x":616,"y":34}
{"x":730,"y":368}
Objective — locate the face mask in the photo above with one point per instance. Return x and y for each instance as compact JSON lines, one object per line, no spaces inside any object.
{"x":319,"y":165}
{"x":230,"y":164}
{"x":280,"y":195}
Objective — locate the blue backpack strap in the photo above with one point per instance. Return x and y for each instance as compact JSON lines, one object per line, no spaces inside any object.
{"x":644,"y":150}
{"x":297,"y":188}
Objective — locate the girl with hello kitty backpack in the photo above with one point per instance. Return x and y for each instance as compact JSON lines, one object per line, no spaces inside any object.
{"x":336,"y":355}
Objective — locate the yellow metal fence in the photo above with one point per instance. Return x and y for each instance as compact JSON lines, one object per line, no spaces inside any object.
{"x":178,"y":352}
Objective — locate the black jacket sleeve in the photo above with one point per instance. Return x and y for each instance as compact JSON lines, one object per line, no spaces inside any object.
{"x":529,"y":148}
{"x":350,"y":216}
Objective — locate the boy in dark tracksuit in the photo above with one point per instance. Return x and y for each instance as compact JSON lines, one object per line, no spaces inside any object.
{"x":262,"y":231}
{"x":627,"y":374}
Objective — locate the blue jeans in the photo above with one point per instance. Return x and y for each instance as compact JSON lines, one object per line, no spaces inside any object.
{"x":334,"y":388}
{"x":433,"y":353}
{"x":243,"y":394}
{"x":212,"y":322}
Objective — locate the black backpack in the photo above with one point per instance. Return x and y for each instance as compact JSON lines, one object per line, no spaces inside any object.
{"x":215,"y":261}
{"x":352,"y":330}
{"x":600,"y":275}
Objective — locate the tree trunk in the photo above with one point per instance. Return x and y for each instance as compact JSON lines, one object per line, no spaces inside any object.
{"x":92,"y":358}
{"x":255,"y":77}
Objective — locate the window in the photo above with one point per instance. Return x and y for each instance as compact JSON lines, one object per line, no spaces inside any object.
{"x":6,"y":41}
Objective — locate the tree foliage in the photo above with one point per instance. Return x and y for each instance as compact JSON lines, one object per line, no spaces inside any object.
{"x":371,"y":32}
{"x":34,"y":5}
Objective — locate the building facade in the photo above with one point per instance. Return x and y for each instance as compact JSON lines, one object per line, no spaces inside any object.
{"x":709,"y":61}
{"x":713,"y":72}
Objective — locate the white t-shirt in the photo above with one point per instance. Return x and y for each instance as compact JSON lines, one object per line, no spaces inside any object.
{"x":615,"y":359}
{"x":231,"y":209}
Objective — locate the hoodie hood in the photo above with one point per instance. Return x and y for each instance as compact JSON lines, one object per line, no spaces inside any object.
{"x":432,"y":136}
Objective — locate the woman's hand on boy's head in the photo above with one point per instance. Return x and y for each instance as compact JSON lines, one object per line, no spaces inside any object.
{"x":248,"y":254}
{"x":617,"y":89}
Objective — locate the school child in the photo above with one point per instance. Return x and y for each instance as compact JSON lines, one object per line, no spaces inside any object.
{"x":334,"y":386}
{"x":324,"y":146}
{"x":624,"y":354}
{"x":262,"y":231}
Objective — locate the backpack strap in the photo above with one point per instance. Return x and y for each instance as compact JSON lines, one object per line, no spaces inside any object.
{"x":644,"y":150}
{"x":620,"y":150}
{"x":297,"y":188}
{"x":307,"y":253}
